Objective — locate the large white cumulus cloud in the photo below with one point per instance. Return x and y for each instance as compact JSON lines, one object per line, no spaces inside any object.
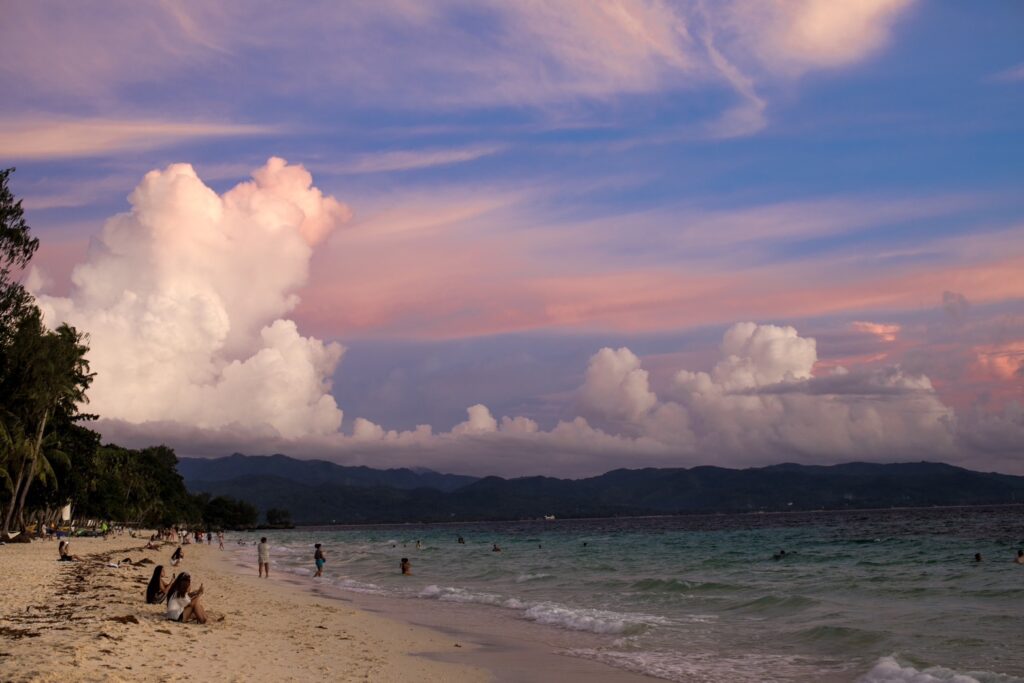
{"x":761,"y":402}
{"x":184,"y":299}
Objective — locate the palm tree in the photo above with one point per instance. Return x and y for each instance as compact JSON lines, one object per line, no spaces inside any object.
{"x":11,"y":442}
{"x":54,"y":379}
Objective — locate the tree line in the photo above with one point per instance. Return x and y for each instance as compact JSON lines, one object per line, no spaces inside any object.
{"x":49,"y":458}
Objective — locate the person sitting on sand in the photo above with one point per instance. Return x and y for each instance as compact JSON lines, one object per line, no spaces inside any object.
{"x":64,"y":549}
{"x":319,"y":559}
{"x":177,"y":557}
{"x":156,"y":591}
{"x":1020,"y":557}
{"x":406,"y":567}
{"x":182,"y":605}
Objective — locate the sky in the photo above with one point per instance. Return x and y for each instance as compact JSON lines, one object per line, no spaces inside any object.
{"x":543,"y":237}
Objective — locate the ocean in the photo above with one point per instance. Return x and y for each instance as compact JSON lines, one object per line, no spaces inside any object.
{"x":872,"y":596}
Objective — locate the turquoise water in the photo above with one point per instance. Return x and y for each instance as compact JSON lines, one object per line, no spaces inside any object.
{"x":873,"y":596}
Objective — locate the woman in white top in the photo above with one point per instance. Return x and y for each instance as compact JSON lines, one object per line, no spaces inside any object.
{"x":181,"y":604}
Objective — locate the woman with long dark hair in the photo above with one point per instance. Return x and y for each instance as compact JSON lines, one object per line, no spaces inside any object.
{"x":157,"y":588}
{"x":177,"y":556}
{"x":183,"y":605}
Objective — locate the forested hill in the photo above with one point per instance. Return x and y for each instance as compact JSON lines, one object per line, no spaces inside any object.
{"x":314,"y":472}
{"x":317,"y":492}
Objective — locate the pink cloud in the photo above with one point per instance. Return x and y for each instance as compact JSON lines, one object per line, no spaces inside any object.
{"x":795,"y":36}
{"x":1001,"y":361}
{"x":35,"y":138}
{"x":882,"y":331}
{"x":490,"y":285}
{"x":56,"y":259}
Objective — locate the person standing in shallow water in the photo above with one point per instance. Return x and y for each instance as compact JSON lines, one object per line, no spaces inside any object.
{"x":263,"y":557}
{"x":406,"y":567}
{"x":1020,"y":557}
{"x":319,"y":559}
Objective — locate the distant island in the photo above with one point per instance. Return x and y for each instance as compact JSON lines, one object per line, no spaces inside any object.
{"x":320,"y":492}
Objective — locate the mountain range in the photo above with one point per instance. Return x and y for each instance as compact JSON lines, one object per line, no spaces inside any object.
{"x":320,"y":492}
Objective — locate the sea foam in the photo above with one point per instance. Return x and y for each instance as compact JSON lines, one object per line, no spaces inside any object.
{"x":888,"y":670}
{"x":701,"y":667}
{"x":593,"y":620}
{"x":550,"y":613}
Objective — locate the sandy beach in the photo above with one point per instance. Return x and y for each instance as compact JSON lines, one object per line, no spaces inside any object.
{"x":86,"y":621}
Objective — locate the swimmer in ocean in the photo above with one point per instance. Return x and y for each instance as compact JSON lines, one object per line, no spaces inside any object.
{"x":406,"y":567}
{"x":779,"y":555}
{"x":1020,"y":557}
{"x":495,"y":548}
{"x":977,"y":557}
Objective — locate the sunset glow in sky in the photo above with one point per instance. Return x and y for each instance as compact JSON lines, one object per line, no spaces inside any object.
{"x":544,"y":237}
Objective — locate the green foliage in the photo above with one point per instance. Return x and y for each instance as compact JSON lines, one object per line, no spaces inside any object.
{"x":44,"y":375}
{"x":224,"y":512}
{"x":16,"y":243}
{"x":16,"y":249}
{"x":279,"y":517}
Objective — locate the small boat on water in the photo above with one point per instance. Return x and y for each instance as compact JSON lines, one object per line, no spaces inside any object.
{"x":549,"y":518}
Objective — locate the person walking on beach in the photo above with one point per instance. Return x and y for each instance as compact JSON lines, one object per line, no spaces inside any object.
{"x":263,"y":557}
{"x":220,"y":539}
{"x":319,"y":559}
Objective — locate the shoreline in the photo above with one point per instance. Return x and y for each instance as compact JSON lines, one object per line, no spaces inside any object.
{"x":740,"y":513}
{"x":86,"y":621}
{"x":509,"y":649}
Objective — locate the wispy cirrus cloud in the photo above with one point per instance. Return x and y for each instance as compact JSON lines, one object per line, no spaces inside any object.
{"x":55,"y":138}
{"x":794,"y":37}
{"x":442,"y":55}
{"x":477,"y":261}
{"x":1014,"y":74}
{"x":409,"y":160}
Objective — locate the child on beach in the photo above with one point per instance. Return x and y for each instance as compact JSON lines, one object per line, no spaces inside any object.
{"x":182,"y":605}
{"x":319,"y":559}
